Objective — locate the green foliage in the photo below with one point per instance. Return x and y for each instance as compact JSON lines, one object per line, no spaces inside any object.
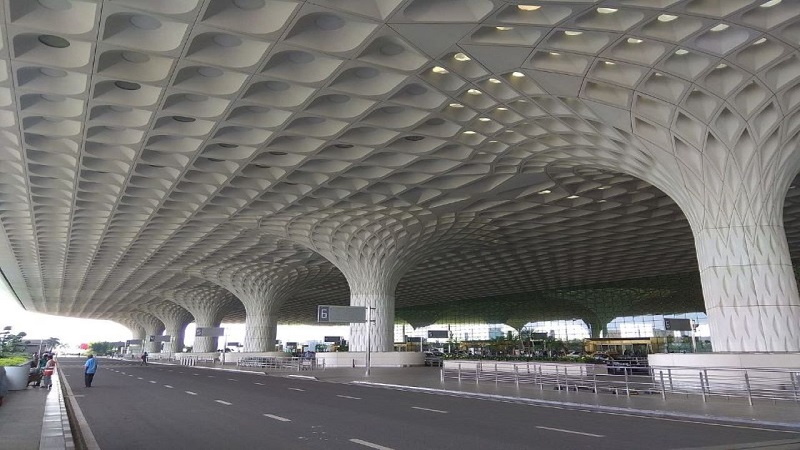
{"x":10,"y":343}
{"x":13,"y":360}
{"x":102,"y":348}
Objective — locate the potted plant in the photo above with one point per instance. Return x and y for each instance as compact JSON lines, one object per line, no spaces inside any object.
{"x":13,"y":360}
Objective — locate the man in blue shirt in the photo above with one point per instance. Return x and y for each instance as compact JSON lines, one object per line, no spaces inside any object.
{"x":90,"y":367}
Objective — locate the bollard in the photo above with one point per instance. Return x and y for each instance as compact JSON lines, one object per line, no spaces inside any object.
{"x":669,"y":374}
{"x":558,"y":383}
{"x":566,"y":380}
{"x":459,"y":372}
{"x":541,"y":382}
{"x":793,"y":376}
{"x":708,"y":385}
{"x":496,"y":373}
{"x":529,"y":367}
{"x":703,"y":386}
{"x":627,"y":388}
{"x":516,"y":375}
{"x":594,"y":381}
{"x":747,"y":385}
{"x":441,"y":374}
{"x":663,"y":390}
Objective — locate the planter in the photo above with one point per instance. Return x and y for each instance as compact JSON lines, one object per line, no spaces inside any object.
{"x":17,"y":377}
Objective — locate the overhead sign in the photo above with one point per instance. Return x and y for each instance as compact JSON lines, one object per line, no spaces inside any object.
{"x":164,"y":338}
{"x":538,"y":336}
{"x":413,"y":339}
{"x":438,"y":334}
{"x":333,"y":339}
{"x":209,"y":331}
{"x":133,"y":342}
{"x":677,"y":324}
{"x":233,"y":344}
{"x":341,"y":314}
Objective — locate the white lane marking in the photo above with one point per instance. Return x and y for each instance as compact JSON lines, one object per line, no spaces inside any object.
{"x":170,"y":371}
{"x":298,"y":389}
{"x":196,"y":374}
{"x":154,"y":382}
{"x":139,"y":378}
{"x":122,"y":373}
{"x":231,"y":379}
{"x":272,"y":416}
{"x":130,"y":375}
{"x":369,"y":444}
{"x":571,"y":432}
{"x":191,"y":393}
{"x":260,"y":384}
{"x":428,"y":409}
{"x":223,"y":402}
{"x":168,"y":386}
{"x":210,"y":376}
{"x":347,"y":396}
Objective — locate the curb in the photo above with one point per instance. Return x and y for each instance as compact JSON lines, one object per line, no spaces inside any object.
{"x":81,"y":433}
{"x":302,"y":377}
{"x":784,"y":426}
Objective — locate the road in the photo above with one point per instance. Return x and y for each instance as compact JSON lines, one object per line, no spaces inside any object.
{"x":176,"y":407}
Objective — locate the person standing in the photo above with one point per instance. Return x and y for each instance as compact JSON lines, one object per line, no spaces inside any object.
{"x":90,"y":368}
{"x":47,"y":374}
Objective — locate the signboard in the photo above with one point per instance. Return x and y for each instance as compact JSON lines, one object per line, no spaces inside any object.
{"x":209,"y":331}
{"x":677,"y":324}
{"x":333,"y":339}
{"x":165,"y":338}
{"x":233,"y":344}
{"x":413,"y":339}
{"x":539,"y":336}
{"x":133,"y":342}
{"x":341,"y":314}
{"x":438,"y":334}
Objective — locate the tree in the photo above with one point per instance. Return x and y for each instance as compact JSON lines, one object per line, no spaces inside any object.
{"x":102,"y":348}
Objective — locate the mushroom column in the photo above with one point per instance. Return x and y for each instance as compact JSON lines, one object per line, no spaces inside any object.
{"x":175,"y":319}
{"x":208,"y":306}
{"x":152,"y":327}
{"x":374,"y":246}
{"x":137,"y":330}
{"x":263,"y":287}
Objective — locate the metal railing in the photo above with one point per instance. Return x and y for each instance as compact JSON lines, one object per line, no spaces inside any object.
{"x":749,"y":383}
{"x":282,"y":364}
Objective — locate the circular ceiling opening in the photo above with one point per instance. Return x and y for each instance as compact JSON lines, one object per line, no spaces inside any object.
{"x":127,"y":85}
{"x":53,"y":41}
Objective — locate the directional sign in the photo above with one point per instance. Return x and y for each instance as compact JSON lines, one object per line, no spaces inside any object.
{"x":164,"y":338}
{"x":133,"y":342}
{"x":438,"y":334}
{"x":341,"y":314}
{"x":209,"y":331}
{"x":677,"y":324}
{"x":333,"y":339}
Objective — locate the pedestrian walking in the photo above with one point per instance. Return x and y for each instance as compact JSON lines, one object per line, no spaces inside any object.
{"x":144,"y":359}
{"x":90,"y":368}
{"x":47,"y":374}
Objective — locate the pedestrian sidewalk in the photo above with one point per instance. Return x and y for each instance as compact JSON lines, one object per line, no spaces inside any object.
{"x":35,"y":418}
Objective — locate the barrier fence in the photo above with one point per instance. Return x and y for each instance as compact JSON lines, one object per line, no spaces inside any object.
{"x":282,"y":364}
{"x":749,"y":383}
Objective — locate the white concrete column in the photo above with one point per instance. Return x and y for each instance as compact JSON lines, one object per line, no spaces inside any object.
{"x":208,"y":305}
{"x":381,"y":331}
{"x":749,"y":288}
{"x":261,"y":326}
{"x":206,"y":344}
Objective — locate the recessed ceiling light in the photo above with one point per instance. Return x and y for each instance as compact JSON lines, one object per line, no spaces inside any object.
{"x":469,"y":132}
{"x":607,"y":10}
{"x":504,"y":28}
{"x":681,"y":52}
{"x":666,"y":18}
{"x":127,"y":85}
{"x":53,"y":41}
{"x":610,"y":63}
{"x":770,"y":3}
{"x":494,"y":80}
{"x":484,"y":119}
{"x":528,"y":7}
{"x":720,"y":27}
{"x":517,"y":74}
{"x":634,"y":41}
{"x":760,"y":41}
{"x":555,"y":54}
{"x":439,"y":69}
{"x":502,"y":108}
{"x":572,"y":196}
{"x":461,"y":57}
{"x":145,"y":22}
{"x":601,"y":201}
{"x":603,"y":187}
{"x":722,"y":66}
{"x":546,"y":191}
{"x":573,"y":33}
{"x":456,"y":105}
{"x":474,"y":92}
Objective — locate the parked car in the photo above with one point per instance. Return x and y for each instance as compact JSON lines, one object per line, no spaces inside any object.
{"x":432,"y":359}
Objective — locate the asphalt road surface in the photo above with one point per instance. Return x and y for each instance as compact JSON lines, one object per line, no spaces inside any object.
{"x":176,"y":407}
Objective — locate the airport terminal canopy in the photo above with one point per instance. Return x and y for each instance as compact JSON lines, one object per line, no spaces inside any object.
{"x":166,"y":161}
